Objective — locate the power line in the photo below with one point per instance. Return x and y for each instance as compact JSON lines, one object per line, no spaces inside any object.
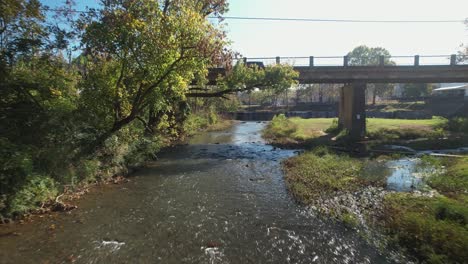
{"x":295,"y":19}
{"x":338,"y":20}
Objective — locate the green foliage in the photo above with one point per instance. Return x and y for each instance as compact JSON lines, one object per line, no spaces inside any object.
{"x":415,"y":90}
{"x":285,"y":131}
{"x":365,"y":56}
{"x":195,"y":122}
{"x":454,"y":181}
{"x":386,"y":134}
{"x":458,"y":124}
{"x":320,"y":172}
{"x":308,"y":130}
{"x":212,"y":116}
{"x":282,"y":126}
{"x":37,"y":191}
{"x":16,"y":165}
{"x":274,"y":78}
{"x":88,"y":118}
{"x":433,"y":229}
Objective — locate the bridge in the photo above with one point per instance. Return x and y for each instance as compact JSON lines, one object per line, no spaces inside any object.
{"x":352,"y":115}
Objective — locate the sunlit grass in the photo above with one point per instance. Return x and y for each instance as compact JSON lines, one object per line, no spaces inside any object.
{"x":300,"y":130}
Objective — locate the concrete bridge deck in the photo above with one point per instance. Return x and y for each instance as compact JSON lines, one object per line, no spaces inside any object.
{"x":352,"y":114}
{"x":373,"y":74}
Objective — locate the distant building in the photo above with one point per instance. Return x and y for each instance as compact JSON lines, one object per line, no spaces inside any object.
{"x":460,"y":90}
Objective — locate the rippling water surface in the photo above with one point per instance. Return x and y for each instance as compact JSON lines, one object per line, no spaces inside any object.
{"x":221,"y":199}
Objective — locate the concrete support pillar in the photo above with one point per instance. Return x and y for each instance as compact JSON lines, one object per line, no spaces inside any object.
{"x":352,"y":110}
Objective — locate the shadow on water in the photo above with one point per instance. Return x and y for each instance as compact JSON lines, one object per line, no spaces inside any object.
{"x":220,"y":199}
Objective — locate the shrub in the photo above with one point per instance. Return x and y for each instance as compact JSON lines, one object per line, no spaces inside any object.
{"x":38,"y":190}
{"x":458,"y":124}
{"x":281,"y":126}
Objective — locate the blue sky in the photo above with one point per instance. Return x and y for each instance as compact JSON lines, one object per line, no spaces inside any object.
{"x":267,"y":38}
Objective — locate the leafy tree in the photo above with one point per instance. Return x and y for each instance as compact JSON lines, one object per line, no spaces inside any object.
{"x":276,"y":79}
{"x":366,"y":56}
{"x":22,"y":32}
{"x":124,"y":96}
{"x":416,"y":90}
{"x":140,"y":57}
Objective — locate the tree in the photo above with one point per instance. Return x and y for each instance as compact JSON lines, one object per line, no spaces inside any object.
{"x":22,"y":32}
{"x":242,"y":78}
{"x":416,"y":90}
{"x":140,"y":57}
{"x":365,"y":56}
{"x":123,"y":97}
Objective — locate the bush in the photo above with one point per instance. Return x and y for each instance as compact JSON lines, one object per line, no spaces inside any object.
{"x":195,"y":122}
{"x":458,"y":124}
{"x":38,"y":190}
{"x":280,"y":126}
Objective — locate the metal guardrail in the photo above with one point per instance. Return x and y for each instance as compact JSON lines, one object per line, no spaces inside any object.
{"x":311,"y":61}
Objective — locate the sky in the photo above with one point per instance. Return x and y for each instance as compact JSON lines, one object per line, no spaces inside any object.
{"x":272,"y":38}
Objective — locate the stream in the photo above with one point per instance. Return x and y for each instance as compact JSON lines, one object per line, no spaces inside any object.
{"x":220,"y":199}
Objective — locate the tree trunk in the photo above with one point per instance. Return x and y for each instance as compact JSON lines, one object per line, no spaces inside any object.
{"x":374,"y":95}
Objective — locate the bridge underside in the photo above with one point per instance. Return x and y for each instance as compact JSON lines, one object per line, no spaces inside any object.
{"x":384,"y":74}
{"x":352,"y":115}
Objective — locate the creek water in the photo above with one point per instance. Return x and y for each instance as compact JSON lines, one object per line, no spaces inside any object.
{"x":220,"y":199}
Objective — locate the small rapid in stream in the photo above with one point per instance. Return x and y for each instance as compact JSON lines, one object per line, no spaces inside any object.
{"x":220,"y":199}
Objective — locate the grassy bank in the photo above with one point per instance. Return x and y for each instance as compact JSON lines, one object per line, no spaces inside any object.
{"x":121,"y":154}
{"x":420,"y":134}
{"x":434,"y":229}
{"x":322,"y":173}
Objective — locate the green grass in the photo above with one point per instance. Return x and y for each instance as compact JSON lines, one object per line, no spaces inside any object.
{"x":320,"y":172}
{"x":454,"y":182}
{"x":284,"y":131}
{"x":434,"y":229}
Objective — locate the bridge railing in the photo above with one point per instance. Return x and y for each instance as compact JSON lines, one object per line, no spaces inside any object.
{"x":312,"y":61}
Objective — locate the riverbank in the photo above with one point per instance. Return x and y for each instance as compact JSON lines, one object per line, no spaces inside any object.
{"x":44,"y":196}
{"x":219,"y":199}
{"x":427,"y":217}
{"x":429,"y":223}
{"x":435,"y":133}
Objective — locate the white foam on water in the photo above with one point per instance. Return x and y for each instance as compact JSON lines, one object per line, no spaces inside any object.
{"x":112,"y":245}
